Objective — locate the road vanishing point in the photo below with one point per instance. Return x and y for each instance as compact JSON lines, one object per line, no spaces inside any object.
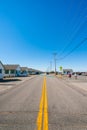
{"x":44,"y":102}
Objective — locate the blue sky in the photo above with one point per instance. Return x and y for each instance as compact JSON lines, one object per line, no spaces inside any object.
{"x":32,"y":30}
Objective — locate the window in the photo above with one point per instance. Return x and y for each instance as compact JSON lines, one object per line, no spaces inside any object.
{"x":0,"y":70}
{"x":6,"y":71}
{"x":12,"y":71}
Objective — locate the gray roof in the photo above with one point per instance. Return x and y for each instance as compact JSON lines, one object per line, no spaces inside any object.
{"x":24,"y":68}
{"x":11,"y":66}
{"x":33,"y":70}
{"x":30,"y":69}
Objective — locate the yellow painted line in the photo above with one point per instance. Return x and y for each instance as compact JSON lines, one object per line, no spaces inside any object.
{"x":40,"y":114}
{"x":42,"y":119}
{"x":45,"y":123}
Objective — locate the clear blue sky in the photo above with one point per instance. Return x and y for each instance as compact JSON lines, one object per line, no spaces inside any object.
{"x":32,"y":30}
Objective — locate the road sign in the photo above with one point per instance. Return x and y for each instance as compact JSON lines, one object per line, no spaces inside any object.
{"x":61,"y":68}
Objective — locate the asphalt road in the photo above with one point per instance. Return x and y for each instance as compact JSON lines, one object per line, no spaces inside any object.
{"x":67,"y":105}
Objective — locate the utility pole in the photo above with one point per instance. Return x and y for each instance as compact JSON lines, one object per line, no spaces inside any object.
{"x":55,"y":61}
{"x":50,"y":66}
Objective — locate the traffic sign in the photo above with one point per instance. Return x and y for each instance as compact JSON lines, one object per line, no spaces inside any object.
{"x":61,"y":68}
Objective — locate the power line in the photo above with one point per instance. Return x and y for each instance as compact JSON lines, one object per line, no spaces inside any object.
{"x":74,"y":19}
{"x":76,"y":28}
{"x":77,"y":46}
{"x":77,"y":12}
{"x":74,"y":36}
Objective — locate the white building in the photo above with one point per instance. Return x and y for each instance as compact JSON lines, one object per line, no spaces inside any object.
{"x":34,"y":71}
{"x":1,"y":70}
{"x":24,"y":71}
{"x":67,"y":71}
{"x":12,"y":70}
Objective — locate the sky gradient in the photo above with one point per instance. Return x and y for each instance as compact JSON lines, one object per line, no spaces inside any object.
{"x":31,"y":31}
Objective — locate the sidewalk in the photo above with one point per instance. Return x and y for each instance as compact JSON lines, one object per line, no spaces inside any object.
{"x":8,"y":83}
{"x":80,"y":82}
{"x":3,"y":87}
{"x":79,"y":78}
{"x":81,"y":85}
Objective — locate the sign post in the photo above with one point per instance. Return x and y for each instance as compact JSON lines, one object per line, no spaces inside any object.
{"x":61,"y":70}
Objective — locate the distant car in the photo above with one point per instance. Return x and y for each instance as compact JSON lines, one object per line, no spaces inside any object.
{"x":47,"y":73}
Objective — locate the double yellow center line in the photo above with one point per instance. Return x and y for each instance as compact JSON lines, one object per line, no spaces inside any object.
{"x":42,"y":119}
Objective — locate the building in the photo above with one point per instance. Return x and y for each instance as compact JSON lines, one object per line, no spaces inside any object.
{"x":67,"y":71}
{"x":30,"y":70}
{"x":12,"y":70}
{"x":24,"y":71}
{"x":34,"y":71}
{"x":2,"y":70}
